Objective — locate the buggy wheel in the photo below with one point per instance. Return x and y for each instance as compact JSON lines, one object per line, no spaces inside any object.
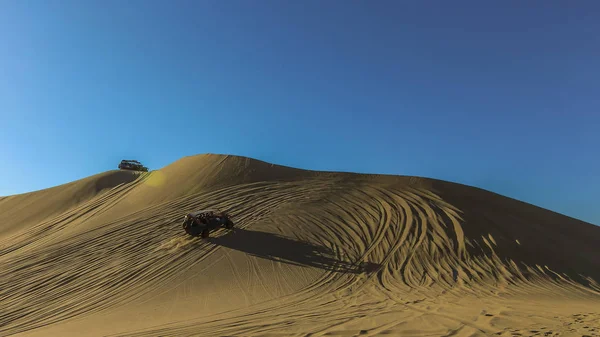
{"x":204,"y":233}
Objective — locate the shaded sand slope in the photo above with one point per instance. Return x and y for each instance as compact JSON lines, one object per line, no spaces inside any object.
{"x":23,"y":210}
{"x":313,"y":253}
{"x":526,"y":233}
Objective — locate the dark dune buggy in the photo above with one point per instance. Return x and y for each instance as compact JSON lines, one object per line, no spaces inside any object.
{"x":201,"y":223}
{"x":132,"y":165}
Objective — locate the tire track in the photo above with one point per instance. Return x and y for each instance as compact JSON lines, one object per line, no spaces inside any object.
{"x":426,"y":241}
{"x":415,"y":238}
{"x":52,"y":229}
{"x":69,"y":269}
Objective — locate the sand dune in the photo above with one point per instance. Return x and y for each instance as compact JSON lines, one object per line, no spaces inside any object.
{"x":313,"y":254}
{"x":24,"y":210}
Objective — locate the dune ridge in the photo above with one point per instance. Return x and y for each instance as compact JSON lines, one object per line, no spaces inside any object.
{"x":313,"y":253}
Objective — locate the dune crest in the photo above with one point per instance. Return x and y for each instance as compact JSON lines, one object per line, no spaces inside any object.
{"x":313,"y":253}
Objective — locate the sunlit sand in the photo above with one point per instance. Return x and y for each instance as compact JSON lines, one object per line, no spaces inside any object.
{"x":312,"y":254}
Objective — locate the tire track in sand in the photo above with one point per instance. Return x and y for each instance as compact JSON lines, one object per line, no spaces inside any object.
{"x":52,"y":229}
{"x":119,"y":262}
{"x":415,"y":237}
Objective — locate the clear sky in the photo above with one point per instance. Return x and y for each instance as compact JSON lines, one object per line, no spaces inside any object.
{"x":502,"y":95}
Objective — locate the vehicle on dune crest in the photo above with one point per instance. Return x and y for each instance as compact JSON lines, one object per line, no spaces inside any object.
{"x":132,"y":165}
{"x":201,"y":223}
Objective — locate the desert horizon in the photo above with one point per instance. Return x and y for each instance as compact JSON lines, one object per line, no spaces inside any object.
{"x":312,"y":253}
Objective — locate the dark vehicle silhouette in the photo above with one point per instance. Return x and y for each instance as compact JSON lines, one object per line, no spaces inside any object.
{"x":133,"y":165}
{"x":201,"y":223}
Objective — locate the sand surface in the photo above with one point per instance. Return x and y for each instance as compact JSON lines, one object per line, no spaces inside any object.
{"x":312,"y":254}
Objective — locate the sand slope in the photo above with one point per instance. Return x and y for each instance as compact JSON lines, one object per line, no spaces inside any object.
{"x":24,"y":210}
{"x":314,"y":253}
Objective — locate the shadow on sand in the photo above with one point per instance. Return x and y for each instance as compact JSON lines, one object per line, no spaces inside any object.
{"x":282,"y":249}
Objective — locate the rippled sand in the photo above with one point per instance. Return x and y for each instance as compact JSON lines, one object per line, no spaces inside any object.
{"x":312,"y":254}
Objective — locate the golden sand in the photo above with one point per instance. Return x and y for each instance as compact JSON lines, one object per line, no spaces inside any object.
{"x":313,"y":254}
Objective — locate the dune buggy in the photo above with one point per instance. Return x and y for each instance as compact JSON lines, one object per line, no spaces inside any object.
{"x":133,"y":165}
{"x":201,"y":223}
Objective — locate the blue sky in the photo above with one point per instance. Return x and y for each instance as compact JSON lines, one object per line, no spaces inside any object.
{"x":500,"y":95}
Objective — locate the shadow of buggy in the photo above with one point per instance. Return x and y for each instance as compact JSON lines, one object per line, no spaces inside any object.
{"x":282,"y":249}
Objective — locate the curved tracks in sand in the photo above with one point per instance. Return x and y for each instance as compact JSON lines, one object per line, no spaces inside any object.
{"x":388,"y":248}
{"x":400,"y":246}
